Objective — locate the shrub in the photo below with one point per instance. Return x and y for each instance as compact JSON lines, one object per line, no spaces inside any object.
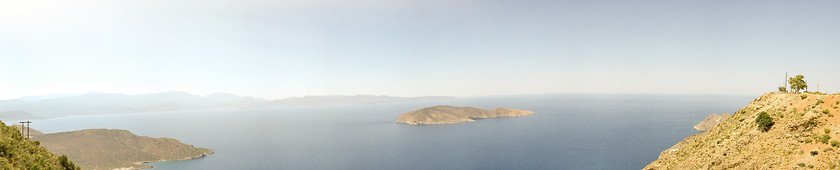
{"x":803,"y":96}
{"x":801,"y":165}
{"x":814,"y":153}
{"x":823,"y":138}
{"x":764,"y":121}
{"x":819,"y":101}
{"x":783,"y":89}
{"x":826,"y":111}
{"x":827,"y":130}
{"x":66,"y":163}
{"x":807,"y":140}
{"x":835,"y":143}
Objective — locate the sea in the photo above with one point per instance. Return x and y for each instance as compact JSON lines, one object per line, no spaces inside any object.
{"x":568,"y":131}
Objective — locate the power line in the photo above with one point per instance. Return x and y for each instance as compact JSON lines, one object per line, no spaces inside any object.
{"x":27,"y":128}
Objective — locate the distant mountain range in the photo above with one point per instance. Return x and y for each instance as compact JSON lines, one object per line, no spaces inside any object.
{"x":35,"y":107}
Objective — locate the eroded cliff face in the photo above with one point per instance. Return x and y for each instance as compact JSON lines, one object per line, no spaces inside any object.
{"x":805,"y":127}
{"x":452,"y":114}
{"x":711,"y":121}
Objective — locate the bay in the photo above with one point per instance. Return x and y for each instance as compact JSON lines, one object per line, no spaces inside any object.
{"x":568,"y":131}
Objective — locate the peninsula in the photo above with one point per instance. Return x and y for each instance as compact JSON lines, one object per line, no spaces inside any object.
{"x":115,"y":148}
{"x":451,"y":114}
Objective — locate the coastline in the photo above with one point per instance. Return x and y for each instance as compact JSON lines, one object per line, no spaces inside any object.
{"x":144,"y":166}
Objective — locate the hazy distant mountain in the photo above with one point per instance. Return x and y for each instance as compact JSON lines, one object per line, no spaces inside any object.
{"x":357,"y":99}
{"x":102,"y":103}
{"x":108,"y":103}
{"x":17,"y":115}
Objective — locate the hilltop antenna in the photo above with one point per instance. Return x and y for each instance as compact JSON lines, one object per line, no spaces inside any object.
{"x":27,"y":128}
{"x":786,"y":82}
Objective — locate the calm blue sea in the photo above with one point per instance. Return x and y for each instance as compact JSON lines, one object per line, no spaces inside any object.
{"x":567,"y":132}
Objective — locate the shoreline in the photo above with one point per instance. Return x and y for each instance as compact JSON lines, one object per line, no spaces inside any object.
{"x":144,"y":166}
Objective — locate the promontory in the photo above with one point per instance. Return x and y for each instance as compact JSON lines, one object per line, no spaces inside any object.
{"x":115,"y":148}
{"x":775,"y":131}
{"x":451,"y":114}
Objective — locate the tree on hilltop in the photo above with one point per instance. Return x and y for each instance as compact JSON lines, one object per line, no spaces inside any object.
{"x":797,"y":83}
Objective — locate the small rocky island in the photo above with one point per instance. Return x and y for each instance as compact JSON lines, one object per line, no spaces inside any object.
{"x":451,"y":114}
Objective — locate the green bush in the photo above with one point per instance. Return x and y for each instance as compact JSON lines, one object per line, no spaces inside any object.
{"x":801,"y":165}
{"x":814,"y":153}
{"x":827,"y":130}
{"x":797,"y":83}
{"x":835,"y":143}
{"x":764,"y":121}
{"x":823,"y":138}
{"x":807,"y":140}
{"x":803,"y":96}
{"x":66,"y":163}
{"x":826,"y":111}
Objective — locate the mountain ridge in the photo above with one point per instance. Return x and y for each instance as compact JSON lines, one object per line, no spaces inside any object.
{"x":113,"y":103}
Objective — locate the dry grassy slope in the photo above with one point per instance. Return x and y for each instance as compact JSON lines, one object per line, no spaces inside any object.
{"x":736,"y":142}
{"x":451,"y":114}
{"x":114,"y":148}
{"x":17,"y":152}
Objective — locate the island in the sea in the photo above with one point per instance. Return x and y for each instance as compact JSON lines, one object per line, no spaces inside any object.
{"x":451,"y":114}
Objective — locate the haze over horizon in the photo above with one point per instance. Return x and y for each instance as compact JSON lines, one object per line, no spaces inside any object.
{"x":277,"y":49}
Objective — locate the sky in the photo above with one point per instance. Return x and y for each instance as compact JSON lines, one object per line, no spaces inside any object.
{"x":276,"y":48}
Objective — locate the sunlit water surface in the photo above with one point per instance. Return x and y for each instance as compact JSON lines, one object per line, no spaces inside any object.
{"x":567,"y":132}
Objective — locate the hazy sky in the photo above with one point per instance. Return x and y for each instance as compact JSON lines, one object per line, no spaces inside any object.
{"x":275,"y":48}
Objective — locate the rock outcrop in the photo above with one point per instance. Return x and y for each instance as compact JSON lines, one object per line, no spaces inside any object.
{"x":451,"y":114}
{"x":804,"y":134}
{"x":711,"y":121}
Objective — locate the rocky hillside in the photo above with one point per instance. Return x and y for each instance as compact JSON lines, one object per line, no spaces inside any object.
{"x":804,"y":133}
{"x":452,"y":114}
{"x":17,"y":152}
{"x":114,"y":148}
{"x":711,"y":121}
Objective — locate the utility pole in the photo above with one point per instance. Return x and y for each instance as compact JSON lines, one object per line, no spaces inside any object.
{"x":27,"y":128}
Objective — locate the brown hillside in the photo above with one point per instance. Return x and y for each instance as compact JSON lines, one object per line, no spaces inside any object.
{"x":114,"y":148}
{"x":800,"y":121}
